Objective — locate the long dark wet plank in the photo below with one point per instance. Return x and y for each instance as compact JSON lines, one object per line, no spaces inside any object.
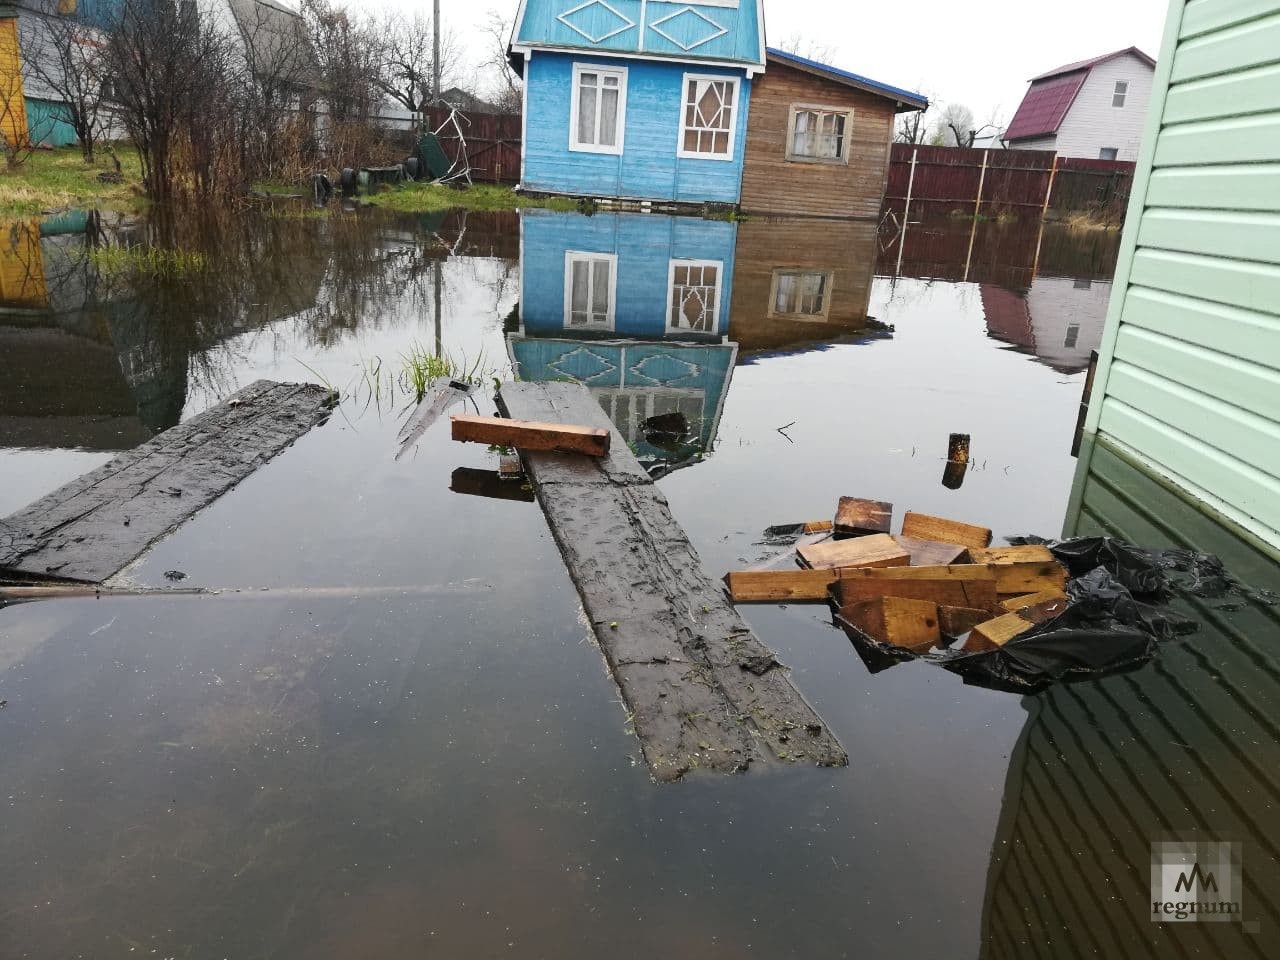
{"x":99,"y":523}
{"x":704,"y":692}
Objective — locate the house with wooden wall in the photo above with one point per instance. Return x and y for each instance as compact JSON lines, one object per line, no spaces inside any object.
{"x":637,"y":100}
{"x":1188,"y":381}
{"x":818,"y":139}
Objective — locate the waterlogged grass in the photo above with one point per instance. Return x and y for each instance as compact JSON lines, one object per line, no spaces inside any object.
{"x":112,"y":262}
{"x":430,"y":197}
{"x":57,"y":179}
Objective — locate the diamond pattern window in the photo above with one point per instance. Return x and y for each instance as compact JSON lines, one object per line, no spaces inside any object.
{"x":710,"y":108}
{"x":598,"y":110}
{"x":819,"y":134}
{"x":695,"y":296}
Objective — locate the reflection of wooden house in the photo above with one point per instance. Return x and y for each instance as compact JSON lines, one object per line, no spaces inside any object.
{"x":1188,"y":745}
{"x":635,"y":307}
{"x":801,"y":281}
{"x":818,"y":140}
{"x":1059,"y":320}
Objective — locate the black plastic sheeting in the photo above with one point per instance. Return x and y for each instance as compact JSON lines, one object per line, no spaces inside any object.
{"x":1114,"y":623}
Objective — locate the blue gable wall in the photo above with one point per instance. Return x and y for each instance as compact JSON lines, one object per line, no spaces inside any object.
{"x":644,"y":245}
{"x":648,"y":168}
{"x":687,"y":31}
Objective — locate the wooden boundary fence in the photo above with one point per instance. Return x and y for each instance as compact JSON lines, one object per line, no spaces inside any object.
{"x":493,"y":143}
{"x":926,"y":181}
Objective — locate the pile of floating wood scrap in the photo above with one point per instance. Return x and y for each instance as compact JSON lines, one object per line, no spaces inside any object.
{"x":935,"y":583}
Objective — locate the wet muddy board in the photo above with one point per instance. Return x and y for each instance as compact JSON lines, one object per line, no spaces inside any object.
{"x":99,"y":523}
{"x":704,"y":692}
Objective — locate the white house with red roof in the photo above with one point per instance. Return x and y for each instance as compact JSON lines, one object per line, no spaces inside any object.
{"x":1093,"y":109}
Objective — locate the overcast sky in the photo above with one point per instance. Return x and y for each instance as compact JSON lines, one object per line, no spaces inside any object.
{"x":980,"y":52}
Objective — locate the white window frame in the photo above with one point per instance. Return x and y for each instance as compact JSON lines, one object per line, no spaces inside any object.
{"x":1122,"y":94}
{"x":681,"y":127}
{"x":780,"y":272}
{"x":574,"y":102}
{"x":583,"y":256}
{"x":798,"y":108}
{"x":671,"y":283}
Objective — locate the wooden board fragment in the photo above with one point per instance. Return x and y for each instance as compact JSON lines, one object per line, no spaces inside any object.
{"x":781,"y":586}
{"x":920,"y":526}
{"x":861,"y":518}
{"x":98,"y":524}
{"x":993,"y":634}
{"x":955,"y":571}
{"x":702,"y":690}
{"x":1029,"y":553}
{"x":929,"y":553}
{"x":1017,"y":579}
{"x":942,"y":589}
{"x":532,"y":435}
{"x":955,"y":622}
{"x":1046,"y":610}
{"x":874,"y":551}
{"x":912,"y":624}
{"x":1014,"y":604}
{"x":783,"y":530}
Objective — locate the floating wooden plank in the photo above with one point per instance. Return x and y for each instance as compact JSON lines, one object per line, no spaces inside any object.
{"x":1030,"y":553}
{"x":947,"y":590}
{"x":875,"y":551}
{"x":993,"y":634}
{"x":860,"y":518}
{"x":921,"y":526}
{"x":960,"y":571}
{"x":532,"y":435}
{"x":703,"y":691}
{"x":955,"y":622}
{"x":1017,"y":579}
{"x":1014,"y":604}
{"x":786,"y":559}
{"x":781,"y":586}
{"x":783,"y":530}
{"x":475,"y":482}
{"x":912,"y":624}
{"x":95,"y":526}
{"x":931,"y":553}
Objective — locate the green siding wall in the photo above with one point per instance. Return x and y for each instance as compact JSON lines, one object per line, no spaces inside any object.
{"x":1189,"y":379}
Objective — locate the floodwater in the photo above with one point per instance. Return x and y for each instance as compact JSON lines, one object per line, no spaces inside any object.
{"x":428,"y":759}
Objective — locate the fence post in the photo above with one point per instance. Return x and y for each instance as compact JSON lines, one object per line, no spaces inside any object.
{"x":982,"y":182}
{"x":906,"y":211}
{"x":1048,"y":194}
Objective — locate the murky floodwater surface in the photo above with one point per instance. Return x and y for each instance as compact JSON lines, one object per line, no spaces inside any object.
{"x":446,"y":769}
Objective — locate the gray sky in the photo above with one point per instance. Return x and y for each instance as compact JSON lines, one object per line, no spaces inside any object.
{"x":980,"y":53}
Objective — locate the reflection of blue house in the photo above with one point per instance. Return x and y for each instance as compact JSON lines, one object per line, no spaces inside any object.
{"x":637,"y":99}
{"x":636,"y":308}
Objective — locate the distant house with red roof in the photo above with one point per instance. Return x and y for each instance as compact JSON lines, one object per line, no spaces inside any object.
{"x":1093,"y":109}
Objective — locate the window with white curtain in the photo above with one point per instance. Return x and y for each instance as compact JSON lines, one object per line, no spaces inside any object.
{"x":802,"y":295}
{"x":708,"y":116}
{"x":597,"y":116}
{"x":590,"y":287}
{"x":819,"y":134}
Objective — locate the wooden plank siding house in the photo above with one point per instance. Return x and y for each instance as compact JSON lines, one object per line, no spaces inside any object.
{"x":819,"y":139}
{"x":1188,"y":381}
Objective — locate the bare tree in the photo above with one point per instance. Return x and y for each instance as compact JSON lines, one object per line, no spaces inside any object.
{"x":65,"y":57}
{"x":808,"y":48}
{"x":912,"y":127}
{"x":347,"y":56}
{"x":406,"y":59}
{"x":507,"y":85}
{"x":955,"y":127}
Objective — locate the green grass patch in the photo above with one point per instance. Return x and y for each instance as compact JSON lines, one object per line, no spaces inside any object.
{"x":430,"y":197}
{"x":113,"y":262}
{"x":56,"y":179}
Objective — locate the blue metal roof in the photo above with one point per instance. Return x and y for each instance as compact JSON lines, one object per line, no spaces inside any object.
{"x":907,"y":96}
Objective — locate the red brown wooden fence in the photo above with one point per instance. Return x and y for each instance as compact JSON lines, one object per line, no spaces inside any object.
{"x":1022,"y":183}
{"x":492,"y":143}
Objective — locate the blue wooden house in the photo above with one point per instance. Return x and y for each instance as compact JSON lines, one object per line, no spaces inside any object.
{"x":636,"y":308}
{"x":637,"y":99}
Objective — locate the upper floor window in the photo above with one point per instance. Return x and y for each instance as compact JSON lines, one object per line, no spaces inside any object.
{"x":590,"y":290}
{"x":597,"y":116}
{"x":1121,"y":93}
{"x":708,"y":116}
{"x":819,"y":134}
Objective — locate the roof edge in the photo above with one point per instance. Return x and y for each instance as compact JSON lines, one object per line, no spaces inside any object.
{"x":907,"y":99}
{"x":1081,"y":65}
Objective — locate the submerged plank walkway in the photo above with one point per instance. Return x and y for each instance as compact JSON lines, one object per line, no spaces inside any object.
{"x":96,"y":525}
{"x":703,"y":690}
